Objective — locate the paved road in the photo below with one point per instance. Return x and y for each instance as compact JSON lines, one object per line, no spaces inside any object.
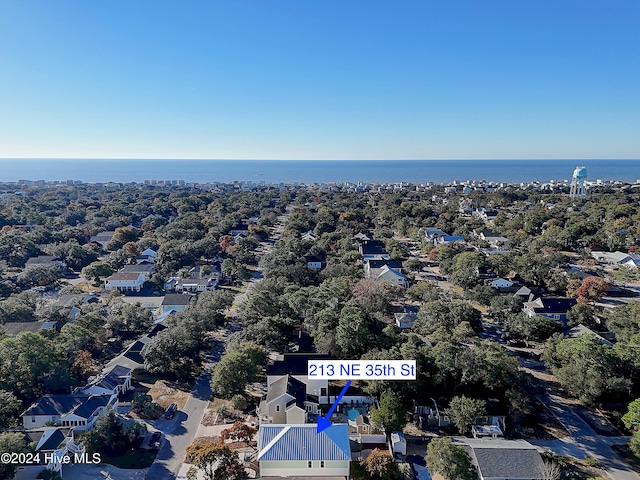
{"x":181,"y":432}
{"x":592,"y":443}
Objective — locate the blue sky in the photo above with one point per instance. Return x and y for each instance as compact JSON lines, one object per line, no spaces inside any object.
{"x":275,"y":79}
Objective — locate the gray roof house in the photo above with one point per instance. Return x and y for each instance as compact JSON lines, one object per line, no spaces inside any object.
{"x":79,"y":411}
{"x":498,"y":459}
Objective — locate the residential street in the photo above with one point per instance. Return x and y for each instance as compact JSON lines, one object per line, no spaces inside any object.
{"x":584,"y":441}
{"x":182,"y":429}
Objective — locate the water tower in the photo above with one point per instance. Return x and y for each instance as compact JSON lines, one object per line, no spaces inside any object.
{"x":579,"y":183}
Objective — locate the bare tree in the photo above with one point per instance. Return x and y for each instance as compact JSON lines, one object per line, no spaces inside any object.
{"x":549,"y":470}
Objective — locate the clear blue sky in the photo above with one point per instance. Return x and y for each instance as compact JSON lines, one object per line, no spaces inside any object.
{"x":321,"y":79}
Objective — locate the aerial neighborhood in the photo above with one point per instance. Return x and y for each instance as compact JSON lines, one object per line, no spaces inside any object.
{"x":165,"y":330}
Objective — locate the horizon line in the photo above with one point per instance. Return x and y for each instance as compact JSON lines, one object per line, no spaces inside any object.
{"x":319,"y":159}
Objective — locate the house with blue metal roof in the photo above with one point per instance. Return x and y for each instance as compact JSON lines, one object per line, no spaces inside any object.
{"x":298,"y":451}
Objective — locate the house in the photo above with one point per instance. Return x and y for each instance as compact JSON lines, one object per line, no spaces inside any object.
{"x":131,"y":356}
{"x":432,"y":233}
{"x":502,"y":284}
{"x":55,"y":444}
{"x":373,"y":266}
{"x":125,"y":282}
{"x":116,"y":381}
{"x":360,"y":423}
{"x":46,"y":261}
{"x":579,"y":330}
{"x":555,"y":308}
{"x":485,"y":214}
{"x":241,"y":229}
{"x":405,"y":320}
{"x":372,"y":247}
{"x":498,"y":459}
{"x":497,"y":242}
{"x":314,"y":262}
{"x":79,"y":411}
{"x":287,"y":402}
{"x":296,"y":365}
{"x":617,"y":258}
{"x":309,"y":236}
{"x":174,"y":302}
{"x":446,"y":239}
{"x":102,"y":238}
{"x":70,"y":303}
{"x":299,"y":451}
{"x":392,"y":276}
{"x":145,"y":268}
{"x":149,"y":255}
{"x":198,"y":280}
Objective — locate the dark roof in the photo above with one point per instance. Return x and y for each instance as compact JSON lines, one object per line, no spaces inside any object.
{"x":288,"y":385}
{"x":555,"y":305}
{"x":53,"y":442}
{"x":86,"y":409}
{"x":369,"y":247}
{"x":116,"y":377}
{"x":294,"y":363}
{"x":55,"y":404}
{"x":133,"y":352}
{"x":14,"y":328}
{"x":125,"y":276}
{"x":313,"y":258}
{"x":42,"y":260}
{"x":176,"y":299}
{"x":70,"y":299}
{"x":102,"y":237}
{"x":379,"y":263}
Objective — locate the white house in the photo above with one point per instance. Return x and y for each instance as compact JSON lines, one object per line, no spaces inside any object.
{"x":116,"y":381}
{"x":287,"y":402}
{"x":299,"y":451}
{"x":616,"y":258}
{"x":79,"y":411}
{"x":392,"y":276}
{"x":125,"y":282}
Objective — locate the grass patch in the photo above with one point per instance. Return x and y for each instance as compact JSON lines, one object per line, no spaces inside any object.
{"x":165,"y":394}
{"x":129,"y":458}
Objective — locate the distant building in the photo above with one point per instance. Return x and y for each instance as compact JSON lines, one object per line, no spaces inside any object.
{"x":579,"y":183}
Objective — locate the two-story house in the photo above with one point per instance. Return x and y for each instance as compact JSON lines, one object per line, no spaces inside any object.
{"x":79,"y":411}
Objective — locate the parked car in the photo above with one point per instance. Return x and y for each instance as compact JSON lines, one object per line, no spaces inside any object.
{"x":154,"y":441}
{"x":170,"y":411}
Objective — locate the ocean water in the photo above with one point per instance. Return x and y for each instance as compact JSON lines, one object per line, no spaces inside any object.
{"x":308,"y":171}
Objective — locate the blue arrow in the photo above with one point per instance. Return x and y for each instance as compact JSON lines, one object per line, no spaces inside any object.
{"x":323,"y":422}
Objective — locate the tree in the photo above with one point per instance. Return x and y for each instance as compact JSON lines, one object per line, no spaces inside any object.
{"x":238,"y":367}
{"x":108,"y":433}
{"x":449,"y":460}
{"x":591,"y":289}
{"x":392,"y":414}
{"x":216,"y":462}
{"x":631,"y":419}
{"x":582,"y":314}
{"x":379,"y":464}
{"x":239,"y":432}
{"x":549,"y":470}
{"x":9,"y":408}
{"x":96,"y":270}
{"x":239,"y":402}
{"x":38,"y":276}
{"x":11,"y":443}
{"x":465,"y":411}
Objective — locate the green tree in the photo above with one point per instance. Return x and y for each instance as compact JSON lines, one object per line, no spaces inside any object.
{"x":392,"y":414}
{"x":10,"y":407}
{"x":631,"y":419}
{"x":11,"y":442}
{"x":465,"y":411}
{"x":449,"y":460}
{"x":240,"y":366}
{"x":95,"y":270}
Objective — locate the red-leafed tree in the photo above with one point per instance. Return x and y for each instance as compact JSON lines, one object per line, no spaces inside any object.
{"x":591,"y":289}
{"x":239,"y":432}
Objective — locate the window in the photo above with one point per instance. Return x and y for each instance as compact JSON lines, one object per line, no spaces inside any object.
{"x":277,"y":408}
{"x":323,"y":392}
{"x":321,"y":463}
{"x":309,"y":464}
{"x":33,"y":419}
